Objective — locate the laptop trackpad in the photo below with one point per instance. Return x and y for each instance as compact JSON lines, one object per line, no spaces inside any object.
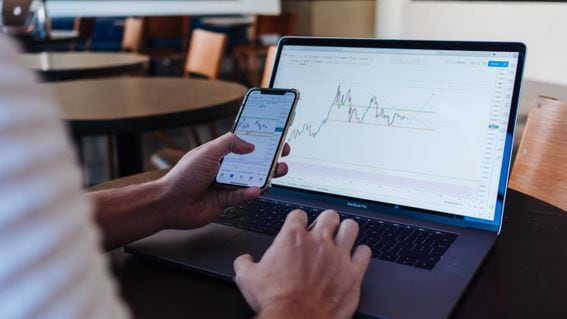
{"x":183,"y":246}
{"x":220,"y":259}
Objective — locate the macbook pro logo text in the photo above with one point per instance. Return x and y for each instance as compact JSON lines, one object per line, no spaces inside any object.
{"x":357,"y":205}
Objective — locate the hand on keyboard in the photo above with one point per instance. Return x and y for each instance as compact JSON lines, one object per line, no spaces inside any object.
{"x":392,"y":242}
{"x":307,"y":272}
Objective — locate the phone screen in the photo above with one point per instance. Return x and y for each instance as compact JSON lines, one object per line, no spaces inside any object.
{"x":262,"y":121}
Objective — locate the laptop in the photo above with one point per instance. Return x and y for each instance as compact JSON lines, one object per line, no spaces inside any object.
{"x":412,"y":139}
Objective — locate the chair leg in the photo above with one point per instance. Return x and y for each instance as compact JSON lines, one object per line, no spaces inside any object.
{"x":235,"y":66}
{"x":110,"y":157}
{"x":166,"y":140}
{"x":213,"y":130}
{"x":195,"y":135}
{"x":240,"y":66}
{"x":253,"y":69}
{"x":89,"y":44}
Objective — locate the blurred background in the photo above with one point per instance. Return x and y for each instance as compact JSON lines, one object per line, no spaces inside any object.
{"x":64,"y":41}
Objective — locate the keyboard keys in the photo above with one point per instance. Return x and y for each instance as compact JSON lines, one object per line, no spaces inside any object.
{"x":407,"y":260}
{"x":392,"y":242}
{"x":425,"y":264}
{"x":388,"y":257}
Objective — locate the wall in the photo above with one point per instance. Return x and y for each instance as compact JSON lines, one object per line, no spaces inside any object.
{"x":334,"y":18}
{"x":542,"y":26}
{"x":118,"y":8}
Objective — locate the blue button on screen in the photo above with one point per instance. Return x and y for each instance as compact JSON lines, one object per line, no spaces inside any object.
{"x":498,"y":64}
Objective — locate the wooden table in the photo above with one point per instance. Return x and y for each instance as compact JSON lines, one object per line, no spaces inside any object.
{"x":228,"y":22}
{"x":524,"y":276}
{"x":63,"y":35}
{"x":56,"y":66}
{"x":55,"y":38}
{"x":125,"y":107}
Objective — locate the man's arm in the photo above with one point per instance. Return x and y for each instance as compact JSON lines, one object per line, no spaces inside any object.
{"x":185,"y":198}
{"x":129,"y":213}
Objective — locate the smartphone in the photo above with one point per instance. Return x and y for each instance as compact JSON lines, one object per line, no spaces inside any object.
{"x":263,"y":120}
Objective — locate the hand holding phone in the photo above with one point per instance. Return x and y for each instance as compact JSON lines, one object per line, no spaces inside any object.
{"x":263,"y":120}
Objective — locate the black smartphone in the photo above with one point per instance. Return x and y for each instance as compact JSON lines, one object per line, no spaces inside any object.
{"x":263,"y":120}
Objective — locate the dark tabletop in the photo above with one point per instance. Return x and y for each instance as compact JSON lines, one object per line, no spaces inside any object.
{"x":55,"y":38}
{"x":57,"y":66}
{"x":525,"y":275}
{"x":141,"y":104}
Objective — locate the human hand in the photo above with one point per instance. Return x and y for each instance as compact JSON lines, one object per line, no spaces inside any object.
{"x":306,"y":273}
{"x":191,"y":199}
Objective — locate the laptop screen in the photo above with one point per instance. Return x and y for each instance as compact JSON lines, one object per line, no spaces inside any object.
{"x":411,"y":127}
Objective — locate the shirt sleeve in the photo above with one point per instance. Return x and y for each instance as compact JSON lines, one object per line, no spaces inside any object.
{"x":51,"y":260}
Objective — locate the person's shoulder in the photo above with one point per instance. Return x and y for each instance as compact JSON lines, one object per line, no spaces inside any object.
{"x":9,"y":51}
{"x":20,"y":91}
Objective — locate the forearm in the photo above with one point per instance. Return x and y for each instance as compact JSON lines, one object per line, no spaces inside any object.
{"x":295,"y":310}
{"x":287,"y":315}
{"x":129,"y":213}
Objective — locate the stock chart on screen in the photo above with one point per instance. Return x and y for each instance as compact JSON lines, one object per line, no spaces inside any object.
{"x":419,"y":128}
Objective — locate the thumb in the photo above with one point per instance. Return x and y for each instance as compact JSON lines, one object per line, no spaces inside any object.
{"x":241,"y":263}
{"x":361,"y":259}
{"x":229,"y":143}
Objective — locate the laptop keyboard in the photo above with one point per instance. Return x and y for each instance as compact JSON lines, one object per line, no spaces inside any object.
{"x":393,"y":242}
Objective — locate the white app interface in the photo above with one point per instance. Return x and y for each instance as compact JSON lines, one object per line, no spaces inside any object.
{"x":262,"y":122}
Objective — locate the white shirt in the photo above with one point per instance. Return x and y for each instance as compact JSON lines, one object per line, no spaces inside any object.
{"x":51,"y":262}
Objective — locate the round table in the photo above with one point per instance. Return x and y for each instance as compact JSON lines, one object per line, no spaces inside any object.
{"x":125,"y":107}
{"x":228,"y":22}
{"x":55,"y":66}
{"x":55,"y":38}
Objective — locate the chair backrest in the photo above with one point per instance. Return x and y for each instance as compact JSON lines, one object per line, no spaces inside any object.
{"x":540,"y":167}
{"x":167,"y":27}
{"x":85,"y":27}
{"x":283,"y":24}
{"x":269,"y":66}
{"x":133,"y":35}
{"x":206,"y":52}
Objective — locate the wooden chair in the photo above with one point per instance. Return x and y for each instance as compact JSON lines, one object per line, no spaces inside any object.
{"x":167,"y":27}
{"x":85,"y":27}
{"x":140,"y":34}
{"x":540,"y":167}
{"x":133,"y":35}
{"x":204,"y":58}
{"x":246,"y":57}
{"x":206,"y":53}
{"x":269,"y":66}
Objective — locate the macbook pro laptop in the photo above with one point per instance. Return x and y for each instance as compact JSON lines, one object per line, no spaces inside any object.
{"x":412,"y":139}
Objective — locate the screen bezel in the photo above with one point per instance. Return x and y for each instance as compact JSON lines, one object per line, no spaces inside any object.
{"x":419,"y":213}
{"x":281,"y":143}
